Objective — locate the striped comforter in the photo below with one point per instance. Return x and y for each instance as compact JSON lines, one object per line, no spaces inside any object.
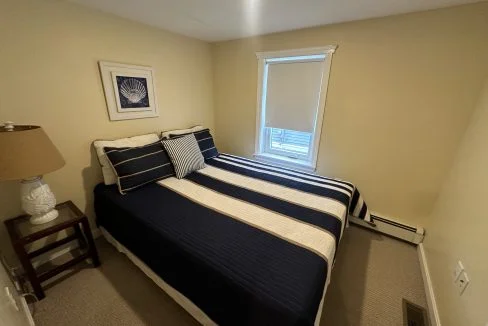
{"x":248,"y":243}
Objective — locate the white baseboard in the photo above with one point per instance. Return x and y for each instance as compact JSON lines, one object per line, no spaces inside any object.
{"x":429,"y":289}
{"x":392,"y":228}
{"x":45,"y":258}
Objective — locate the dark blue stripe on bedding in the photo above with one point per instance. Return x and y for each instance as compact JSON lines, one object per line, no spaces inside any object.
{"x":287,"y":169}
{"x":354,"y":201}
{"x":323,"y":220}
{"x":362,"y":213}
{"x":302,"y":186}
{"x":325,"y":182}
{"x":237,"y":274}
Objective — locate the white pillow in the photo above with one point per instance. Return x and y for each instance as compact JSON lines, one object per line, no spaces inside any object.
{"x":165,"y":134}
{"x":109,"y":177}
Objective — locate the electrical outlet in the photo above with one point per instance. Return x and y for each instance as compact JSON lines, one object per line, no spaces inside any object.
{"x":457,"y":270}
{"x":462,"y":282}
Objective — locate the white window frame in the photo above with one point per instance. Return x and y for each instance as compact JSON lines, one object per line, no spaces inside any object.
{"x":263,"y":58}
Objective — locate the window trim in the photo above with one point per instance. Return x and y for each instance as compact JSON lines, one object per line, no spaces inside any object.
{"x":284,"y":162}
{"x":262,"y":57}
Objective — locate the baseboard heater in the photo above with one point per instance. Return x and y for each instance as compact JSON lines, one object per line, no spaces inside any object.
{"x":392,"y":228}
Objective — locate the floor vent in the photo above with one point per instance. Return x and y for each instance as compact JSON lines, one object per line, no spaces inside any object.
{"x":414,"y":315}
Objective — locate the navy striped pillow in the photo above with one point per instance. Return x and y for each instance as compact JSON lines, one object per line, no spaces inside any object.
{"x":137,"y":166}
{"x":185,"y":155}
{"x":205,"y":142}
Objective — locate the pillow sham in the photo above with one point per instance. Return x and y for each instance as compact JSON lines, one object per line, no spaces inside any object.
{"x":185,"y":155}
{"x":137,"y":166}
{"x":166,"y":134}
{"x":109,"y":177}
{"x":205,"y":142}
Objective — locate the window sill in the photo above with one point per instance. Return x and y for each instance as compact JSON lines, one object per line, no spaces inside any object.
{"x":285,"y":162}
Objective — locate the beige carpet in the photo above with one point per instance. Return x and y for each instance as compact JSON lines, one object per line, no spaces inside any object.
{"x":371,"y":276}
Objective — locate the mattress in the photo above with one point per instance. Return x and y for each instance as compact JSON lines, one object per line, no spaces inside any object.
{"x":247,"y":243}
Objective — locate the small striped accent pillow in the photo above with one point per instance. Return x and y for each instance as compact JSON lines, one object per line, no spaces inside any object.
{"x":205,"y":142}
{"x":137,"y":166}
{"x":185,"y":155}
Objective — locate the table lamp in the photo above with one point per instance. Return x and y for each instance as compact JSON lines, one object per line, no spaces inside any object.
{"x":26,"y":154}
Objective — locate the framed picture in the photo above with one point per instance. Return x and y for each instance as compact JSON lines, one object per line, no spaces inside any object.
{"x":129,"y":91}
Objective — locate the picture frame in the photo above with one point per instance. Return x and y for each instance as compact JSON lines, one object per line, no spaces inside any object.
{"x":130,"y":91}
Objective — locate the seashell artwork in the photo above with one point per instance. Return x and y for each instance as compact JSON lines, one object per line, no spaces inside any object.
{"x":130,"y":91}
{"x":133,"y":90}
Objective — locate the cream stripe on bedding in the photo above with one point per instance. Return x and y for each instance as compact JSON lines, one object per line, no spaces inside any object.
{"x":280,"y":214}
{"x":304,"y":235}
{"x":305,"y":199}
{"x":298,"y":174}
{"x":284,"y":176}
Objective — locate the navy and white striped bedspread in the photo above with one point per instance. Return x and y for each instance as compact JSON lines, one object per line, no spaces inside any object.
{"x":343,"y":191}
{"x":248,"y":243}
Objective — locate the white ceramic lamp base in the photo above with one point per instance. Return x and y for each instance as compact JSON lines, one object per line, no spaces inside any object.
{"x":38,"y":200}
{"x":41,"y":219}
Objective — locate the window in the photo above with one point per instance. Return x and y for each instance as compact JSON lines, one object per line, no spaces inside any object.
{"x":289,"y":143}
{"x":292,"y":87}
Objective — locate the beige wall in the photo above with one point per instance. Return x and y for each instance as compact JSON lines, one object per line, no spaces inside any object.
{"x":49,"y":76}
{"x":458,"y":225}
{"x":400,"y":95}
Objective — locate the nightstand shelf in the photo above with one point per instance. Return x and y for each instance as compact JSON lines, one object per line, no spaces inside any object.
{"x":22,"y":232}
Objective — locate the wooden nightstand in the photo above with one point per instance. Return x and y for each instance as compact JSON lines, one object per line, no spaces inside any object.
{"x":22,"y":232}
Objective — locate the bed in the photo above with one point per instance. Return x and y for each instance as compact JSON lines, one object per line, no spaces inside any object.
{"x":237,"y":243}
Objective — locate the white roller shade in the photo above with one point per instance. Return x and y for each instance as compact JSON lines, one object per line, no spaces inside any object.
{"x":292,"y":96}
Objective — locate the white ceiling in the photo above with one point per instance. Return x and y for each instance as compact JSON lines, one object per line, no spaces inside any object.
{"x":218,"y":20}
